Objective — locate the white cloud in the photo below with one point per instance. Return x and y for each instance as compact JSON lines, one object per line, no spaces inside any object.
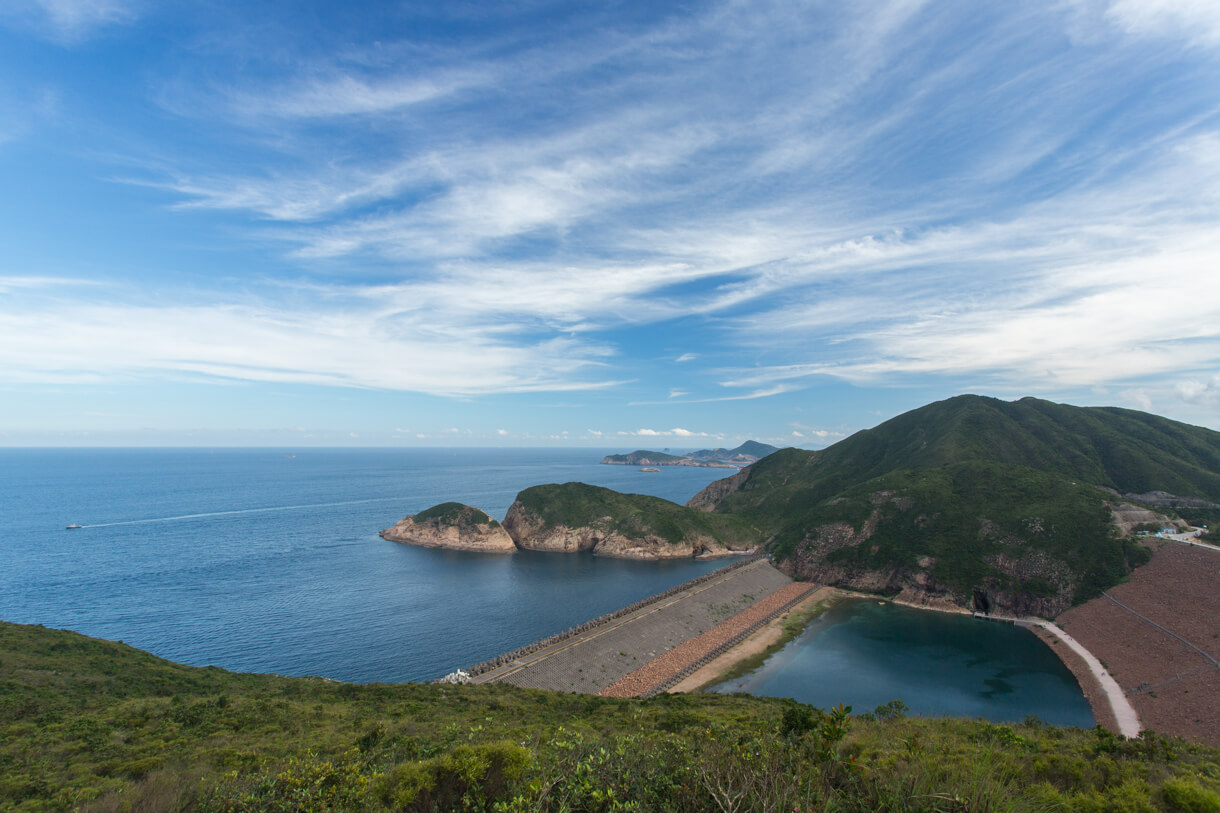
{"x":700,"y":172}
{"x":1204,"y":393}
{"x":364,"y":346}
{"x":1195,"y":20}
{"x":765,"y":392}
{"x":71,"y":20}
{"x":501,"y":432}
{"x":345,"y":95}
{"x":676,"y":433}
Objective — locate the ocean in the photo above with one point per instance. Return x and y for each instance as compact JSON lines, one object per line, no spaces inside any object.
{"x":268,"y":560}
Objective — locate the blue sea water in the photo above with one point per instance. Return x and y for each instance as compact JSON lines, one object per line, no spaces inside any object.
{"x":268,"y":560}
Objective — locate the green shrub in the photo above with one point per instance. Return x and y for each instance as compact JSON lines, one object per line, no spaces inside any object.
{"x":1181,"y":794}
{"x":469,"y":776}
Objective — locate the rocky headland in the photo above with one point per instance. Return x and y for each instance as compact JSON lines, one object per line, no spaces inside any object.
{"x":532,"y":532}
{"x":575,"y":517}
{"x":453,"y":526}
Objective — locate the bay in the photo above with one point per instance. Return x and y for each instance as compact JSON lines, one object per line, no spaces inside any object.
{"x":268,"y":560}
{"x":863,"y":653}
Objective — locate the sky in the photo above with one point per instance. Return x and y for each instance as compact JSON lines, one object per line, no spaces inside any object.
{"x":606,"y":224}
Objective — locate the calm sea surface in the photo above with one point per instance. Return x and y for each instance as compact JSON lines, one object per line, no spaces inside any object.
{"x":863,"y":653}
{"x":266,"y":560}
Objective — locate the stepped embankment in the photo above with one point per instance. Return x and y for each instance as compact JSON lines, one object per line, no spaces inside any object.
{"x":598,"y":656}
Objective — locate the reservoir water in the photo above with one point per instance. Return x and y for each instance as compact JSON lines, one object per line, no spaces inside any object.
{"x":268,"y":560}
{"x":864,"y":653}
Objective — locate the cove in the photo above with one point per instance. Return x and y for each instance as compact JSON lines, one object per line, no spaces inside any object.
{"x":865,"y":653}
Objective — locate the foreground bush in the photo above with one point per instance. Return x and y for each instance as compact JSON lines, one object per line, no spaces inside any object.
{"x":96,"y":726}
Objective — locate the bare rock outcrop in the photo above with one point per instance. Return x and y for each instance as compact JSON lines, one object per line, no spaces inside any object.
{"x":531,"y":532}
{"x":1128,"y":517}
{"x":452,"y":526}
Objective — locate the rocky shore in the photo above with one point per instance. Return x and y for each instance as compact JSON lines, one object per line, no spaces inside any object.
{"x":573,"y":518}
{"x":457,"y":527}
{"x":532,"y":532}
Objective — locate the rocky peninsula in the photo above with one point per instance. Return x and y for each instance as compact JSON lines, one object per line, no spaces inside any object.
{"x":453,"y":526}
{"x":575,"y":517}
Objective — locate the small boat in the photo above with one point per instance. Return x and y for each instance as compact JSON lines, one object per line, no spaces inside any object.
{"x":74,"y":526}
{"x":649,"y":468}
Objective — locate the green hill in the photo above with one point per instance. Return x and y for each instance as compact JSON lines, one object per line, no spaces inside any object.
{"x":975,"y":500}
{"x":455,"y":513}
{"x":99,"y":726}
{"x":577,"y":505}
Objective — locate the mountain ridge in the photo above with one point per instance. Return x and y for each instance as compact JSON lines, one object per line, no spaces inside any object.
{"x":972,"y":500}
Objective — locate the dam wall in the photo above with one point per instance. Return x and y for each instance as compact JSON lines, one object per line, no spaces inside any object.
{"x":610,"y":649}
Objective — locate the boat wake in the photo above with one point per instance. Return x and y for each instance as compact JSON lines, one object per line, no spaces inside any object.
{"x":268,"y":509}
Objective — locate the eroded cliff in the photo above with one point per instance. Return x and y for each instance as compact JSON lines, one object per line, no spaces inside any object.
{"x":453,"y":526}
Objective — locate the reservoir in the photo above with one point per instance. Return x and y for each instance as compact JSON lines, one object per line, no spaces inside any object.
{"x":864,"y":653}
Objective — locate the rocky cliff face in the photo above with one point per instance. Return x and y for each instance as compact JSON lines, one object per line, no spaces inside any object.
{"x":1014,"y":564}
{"x":487,"y":537}
{"x":531,"y":532}
{"x":713,"y":493}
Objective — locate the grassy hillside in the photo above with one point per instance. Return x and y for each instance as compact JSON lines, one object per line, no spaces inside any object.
{"x":99,"y":726}
{"x":1001,"y":496}
{"x":579,"y":505}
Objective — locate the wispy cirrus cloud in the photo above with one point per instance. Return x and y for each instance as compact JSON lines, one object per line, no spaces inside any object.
{"x":821,"y":189}
{"x":70,"y":21}
{"x":363,"y":346}
{"x":1192,"y":20}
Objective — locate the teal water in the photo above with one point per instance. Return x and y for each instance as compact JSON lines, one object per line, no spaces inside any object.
{"x":864,"y":653}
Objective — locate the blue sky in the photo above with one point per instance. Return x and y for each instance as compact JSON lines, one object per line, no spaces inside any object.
{"x":606,"y":224}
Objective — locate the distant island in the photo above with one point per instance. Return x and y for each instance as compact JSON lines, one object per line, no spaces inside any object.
{"x":749,"y":452}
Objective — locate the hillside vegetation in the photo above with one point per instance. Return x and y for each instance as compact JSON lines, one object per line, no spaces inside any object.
{"x":977,"y":501}
{"x":577,"y":505}
{"x":456,"y":514}
{"x":99,"y":726}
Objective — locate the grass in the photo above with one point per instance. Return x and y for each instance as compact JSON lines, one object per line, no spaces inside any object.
{"x":99,"y":726}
